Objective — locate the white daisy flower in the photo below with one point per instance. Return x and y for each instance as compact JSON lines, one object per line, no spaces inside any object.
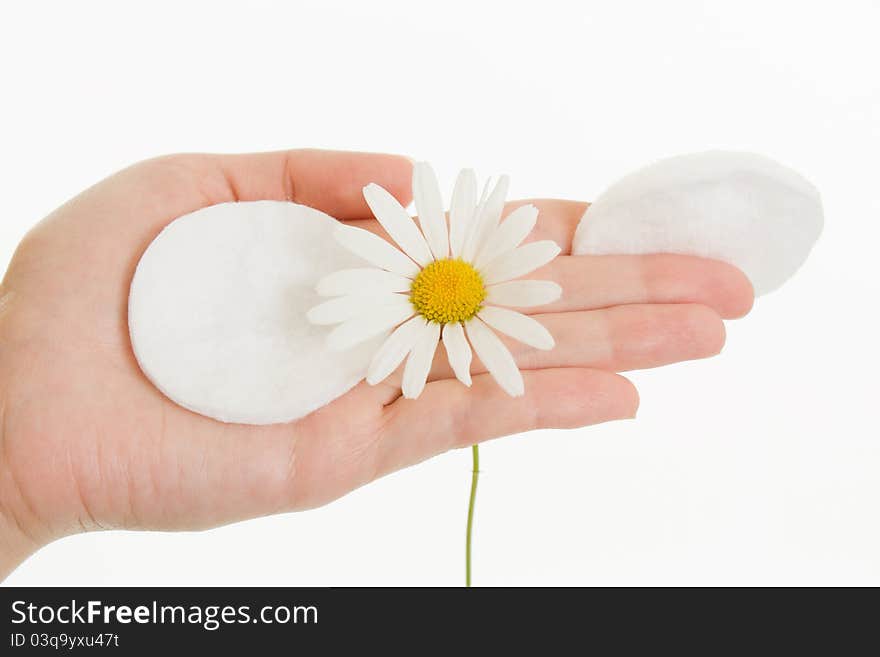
{"x":444,"y":284}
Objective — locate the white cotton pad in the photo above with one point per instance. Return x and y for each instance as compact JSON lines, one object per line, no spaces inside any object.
{"x":742,"y":208}
{"x":217,"y":313}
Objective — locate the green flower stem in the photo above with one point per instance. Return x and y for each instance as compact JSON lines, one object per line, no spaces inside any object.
{"x":470,"y":520}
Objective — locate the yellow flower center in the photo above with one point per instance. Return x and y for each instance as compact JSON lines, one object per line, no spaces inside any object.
{"x":447,"y":291}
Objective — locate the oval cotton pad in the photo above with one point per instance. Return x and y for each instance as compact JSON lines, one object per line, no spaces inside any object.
{"x":217,"y":313}
{"x":742,"y":208}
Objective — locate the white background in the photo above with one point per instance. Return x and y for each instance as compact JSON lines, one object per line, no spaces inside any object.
{"x":760,"y":466}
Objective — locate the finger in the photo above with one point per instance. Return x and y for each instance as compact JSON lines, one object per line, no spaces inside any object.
{"x":449,"y":415}
{"x":353,"y":440}
{"x":330,"y":181}
{"x":557,"y":220}
{"x":615,"y":339}
{"x":600,"y":281}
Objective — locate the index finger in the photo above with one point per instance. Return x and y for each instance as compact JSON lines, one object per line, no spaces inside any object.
{"x":557,"y":220}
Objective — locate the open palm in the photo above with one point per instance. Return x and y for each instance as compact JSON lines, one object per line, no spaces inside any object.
{"x":87,"y":442}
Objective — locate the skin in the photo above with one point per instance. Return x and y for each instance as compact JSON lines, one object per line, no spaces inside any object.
{"x":87,"y":443}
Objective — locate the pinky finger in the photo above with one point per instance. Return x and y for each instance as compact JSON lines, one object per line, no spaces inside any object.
{"x":449,"y":415}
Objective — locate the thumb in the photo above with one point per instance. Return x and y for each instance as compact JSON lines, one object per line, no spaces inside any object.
{"x":114,"y":221}
{"x":133,"y":205}
{"x":330,"y":181}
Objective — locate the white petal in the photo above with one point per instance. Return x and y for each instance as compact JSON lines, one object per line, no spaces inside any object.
{"x":520,"y":261}
{"x":488,"y":215}
{"x":429,"y":205}
{"x":397,"y":222}
{"x":523,"y":294}
{"x":362,"y":281}
{"x":509,"y":235}
{"x":415,"y":374}
{"x":342,"y":309}
{"x":375,"y":250}
{"x":376,"y":321}
{"x":495,"y":203}
{"x":461,"y":209}
{"x":458,"y":351}
{"x":394,"y":350}
{"x":518,"y":326}
{"x":496,"y":357}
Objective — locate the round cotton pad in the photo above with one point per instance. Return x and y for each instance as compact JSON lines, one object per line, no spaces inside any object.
{"x":741,"y":208}
{"x":217,"y":313}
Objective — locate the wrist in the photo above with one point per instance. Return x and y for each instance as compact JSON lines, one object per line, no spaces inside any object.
{"x":17,"y":541}
{"x":16,"y":544}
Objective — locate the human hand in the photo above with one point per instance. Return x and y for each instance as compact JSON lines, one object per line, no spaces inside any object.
{"x":87,"y":442}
